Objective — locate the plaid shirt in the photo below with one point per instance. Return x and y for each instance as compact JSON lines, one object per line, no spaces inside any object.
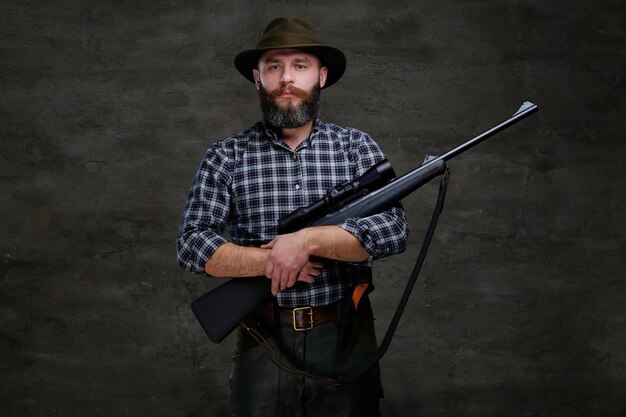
{"x":247,"y":182}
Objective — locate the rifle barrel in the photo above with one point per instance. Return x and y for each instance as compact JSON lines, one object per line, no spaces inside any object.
{"x":525,"y":110}
{"x":398,"y":188}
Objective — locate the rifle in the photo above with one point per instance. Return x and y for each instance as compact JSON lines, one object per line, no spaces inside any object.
{"x":221,"y":310}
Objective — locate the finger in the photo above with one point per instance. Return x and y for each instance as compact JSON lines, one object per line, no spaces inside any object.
{"x":284,"y":279}
{"x":306,"y":277}
{"x":269,"y":273}
{"x":293,"y":277}
{"x":313,"y":271}
{"x":316,"y":265}
{"x":275,"y":285}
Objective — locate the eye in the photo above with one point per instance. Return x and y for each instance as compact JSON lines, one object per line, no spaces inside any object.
{"x":300,"y":66}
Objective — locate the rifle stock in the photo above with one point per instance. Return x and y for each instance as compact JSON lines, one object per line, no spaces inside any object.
{"x":221,"y":310}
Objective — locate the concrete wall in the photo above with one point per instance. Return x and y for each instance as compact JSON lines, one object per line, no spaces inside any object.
{"x":107,"y":107}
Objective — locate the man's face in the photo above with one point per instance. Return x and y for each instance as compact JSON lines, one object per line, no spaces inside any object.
{"x":281,"y":68}
{"x":289,"y":84}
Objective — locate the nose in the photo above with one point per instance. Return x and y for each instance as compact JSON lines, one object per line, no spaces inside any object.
{"x":287,"y":76}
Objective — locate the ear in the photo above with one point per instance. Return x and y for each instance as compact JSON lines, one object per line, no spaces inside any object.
{"x":323,"y":76}
{"x":257,"y":78}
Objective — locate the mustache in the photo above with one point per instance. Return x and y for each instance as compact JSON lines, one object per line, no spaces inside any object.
{"x":289,"y":89}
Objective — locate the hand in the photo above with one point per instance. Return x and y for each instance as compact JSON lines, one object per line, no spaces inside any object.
{"x":290,"y":261}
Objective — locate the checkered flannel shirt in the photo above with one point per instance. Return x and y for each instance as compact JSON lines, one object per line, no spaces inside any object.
{"x":247,"y":182}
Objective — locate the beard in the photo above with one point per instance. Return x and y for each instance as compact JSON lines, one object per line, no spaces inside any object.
{"x":292,"y":116}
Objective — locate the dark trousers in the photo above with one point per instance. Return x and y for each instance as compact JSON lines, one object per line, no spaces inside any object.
{"x":260,"y":388}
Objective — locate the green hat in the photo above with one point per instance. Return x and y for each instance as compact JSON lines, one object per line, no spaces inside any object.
{"x":292,"y":33}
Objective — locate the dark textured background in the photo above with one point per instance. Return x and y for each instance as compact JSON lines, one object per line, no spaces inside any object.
{"x":107,"y":107}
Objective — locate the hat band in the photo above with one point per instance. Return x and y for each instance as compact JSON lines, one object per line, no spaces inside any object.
{"x":285,"y":41}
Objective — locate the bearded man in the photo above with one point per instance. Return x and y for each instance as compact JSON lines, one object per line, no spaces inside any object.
{"x":246,"y":183}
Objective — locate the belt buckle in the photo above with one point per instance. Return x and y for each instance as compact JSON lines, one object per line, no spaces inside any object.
{"x":295,"y":312}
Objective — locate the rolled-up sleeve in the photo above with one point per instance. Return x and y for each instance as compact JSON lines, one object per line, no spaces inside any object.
{"x":206,"y":213}
{"x":381,"y":234}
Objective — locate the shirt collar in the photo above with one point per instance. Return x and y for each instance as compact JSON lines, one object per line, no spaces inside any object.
{"x":318,"y":125}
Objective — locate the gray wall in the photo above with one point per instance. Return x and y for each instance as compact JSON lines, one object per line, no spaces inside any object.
{"x":107,"y":107}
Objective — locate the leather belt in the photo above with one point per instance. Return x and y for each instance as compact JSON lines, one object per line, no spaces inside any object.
{"x":299,"y":319}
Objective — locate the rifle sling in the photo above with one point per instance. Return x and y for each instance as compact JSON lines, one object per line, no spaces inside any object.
{"x":374,"y":358}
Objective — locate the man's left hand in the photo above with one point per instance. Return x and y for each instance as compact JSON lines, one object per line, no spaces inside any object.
{"x":290,"y":261}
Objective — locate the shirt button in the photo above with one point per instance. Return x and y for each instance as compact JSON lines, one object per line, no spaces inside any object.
{"x":294,"y":156}
{"x":297,"y":187}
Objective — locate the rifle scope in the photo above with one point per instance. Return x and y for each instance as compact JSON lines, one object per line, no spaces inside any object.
{"x":337,"y":196}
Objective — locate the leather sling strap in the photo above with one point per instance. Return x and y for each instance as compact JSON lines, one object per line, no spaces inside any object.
{"x":352,"y":374}
{"x":374,"y":358}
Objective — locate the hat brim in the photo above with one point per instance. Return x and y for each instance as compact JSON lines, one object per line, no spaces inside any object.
{"x":331,"y":57}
